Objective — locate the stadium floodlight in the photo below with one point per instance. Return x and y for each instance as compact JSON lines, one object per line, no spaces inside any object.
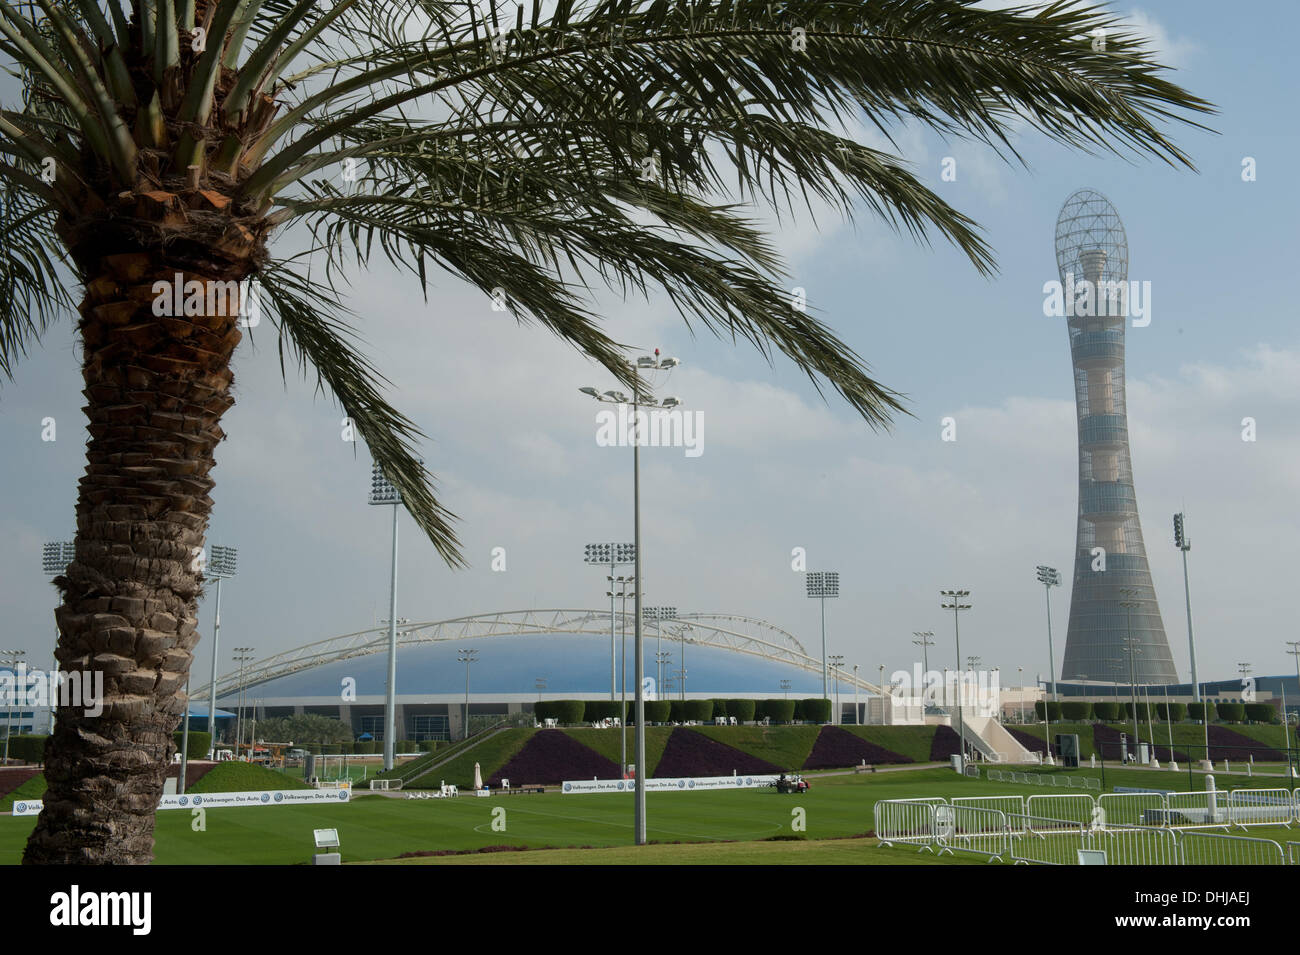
{"x":785,"y":686}
{"x":11,"y":658}
{"x":837,"y":661}
{"x":241,"y":656}
{"x":611,"y":555}
{"x":954,"y":600}
{"x":823,"y":584}
{"x":55,"y":558}
{"x":1049,"y":577}
{"x":1132,"y":649}
{"x":659,"y":615}
{"x":221,"y":564}
{"x":467,"y":656}
{"x":1184,"y":544}
{"x":643,"y":363}
{"x":383,"y":492}
{"x":924,"y":640}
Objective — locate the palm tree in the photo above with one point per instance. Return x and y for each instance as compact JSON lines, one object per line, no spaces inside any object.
{"x":162,"y":144}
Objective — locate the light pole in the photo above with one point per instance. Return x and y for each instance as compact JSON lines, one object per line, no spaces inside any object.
{"x":1020,"y":678}
{"x":643,"y":363}
{"x":785,"y":685}
{"x":613,"y":555}
{"x":1049,"y":577}
{"x":823,"y":584}
{"x":880,"y":692}
{"x":55,"y":558}
{"x":953,"y":601}
{"x":220,"y":565}
{"x":242,"y":656}
{"x":857,"y":707}
{"x":837,"y":661}
{"x":1130,"y":603}
{"x":1295,"y":652}
{"x":466,"y":656}
{"x":1184,"y":544}
{"x":384,"y":493}
{"x":924,"y":639}
{"x":659,"y":615}
{"x":540,"y":684}
{"x":996,"y":678}
{"x":12,"y":658}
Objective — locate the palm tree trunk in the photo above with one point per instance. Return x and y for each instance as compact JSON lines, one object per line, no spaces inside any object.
{"x":156,"y":388}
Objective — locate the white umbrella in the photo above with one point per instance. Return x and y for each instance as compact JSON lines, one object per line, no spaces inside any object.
{"x":478,"y":777}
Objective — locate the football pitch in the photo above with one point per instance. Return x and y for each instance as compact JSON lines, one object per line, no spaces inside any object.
{"x":828,"y":824}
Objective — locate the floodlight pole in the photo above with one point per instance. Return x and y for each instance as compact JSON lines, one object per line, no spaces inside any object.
{"x":14,"y":659}
{"x":955,"y":605}
{"x":857,"y":711}
{"x":55,"y":558}
{"x":1184,"y":544}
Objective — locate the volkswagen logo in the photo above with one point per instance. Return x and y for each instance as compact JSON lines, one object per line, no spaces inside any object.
{"x":265,"y":797}
{"x":279,"y":797}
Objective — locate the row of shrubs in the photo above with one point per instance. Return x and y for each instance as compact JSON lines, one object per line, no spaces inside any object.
{"x":568,"y":712}
{"x":30,"y":749}
{"x":1077,"y":711}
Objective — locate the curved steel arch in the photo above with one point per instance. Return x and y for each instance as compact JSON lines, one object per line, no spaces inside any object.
{"x":735,"y":632}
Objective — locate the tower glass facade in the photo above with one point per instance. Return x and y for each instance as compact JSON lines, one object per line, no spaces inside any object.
{"x":1110,"y":561}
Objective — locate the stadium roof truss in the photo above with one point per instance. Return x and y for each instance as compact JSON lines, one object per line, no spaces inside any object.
{"x":739,"y":634}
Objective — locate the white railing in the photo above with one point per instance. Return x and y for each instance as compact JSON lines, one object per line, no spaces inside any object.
{"x":1211,"y":848}
{"x":1204,"y":809}
{"x":906,"y":821}
{"x":1135,"y":845}
{"x":1043,"y":841}
{"x":1261,"y":807}
{"x":971,"y":829}
{"x":1008,"y":804}
{"x":1078,"y":808}
{"x":1133,"y":809}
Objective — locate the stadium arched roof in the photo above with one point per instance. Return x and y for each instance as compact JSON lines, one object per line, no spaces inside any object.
{"x":754,"y":639}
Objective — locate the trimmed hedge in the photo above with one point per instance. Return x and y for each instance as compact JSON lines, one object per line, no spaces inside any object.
{"x":720,"y":708}
{"x":428,"y":745}
{"x":1107,"y":712}
{"x":1076,"y":711}
{"x":1198,"y":711}
{"x":568,"y":712}
{"x":200,"y":742}
{"x":816,"y":710}
{"x":1050,"y":707}
{"x":30,"y":749}
{"x":658,"y":711}
{"x":742,"y":710}
{"x":778,"y":711}
{"x":1232,"y":712}
{"x":1261,"y":712}
{"x":1179,"y":711}
{"x":677,"y":711}
{"x":1141,"y":710}
{"x":701,"y":711}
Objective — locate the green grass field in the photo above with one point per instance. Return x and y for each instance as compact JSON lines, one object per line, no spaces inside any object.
{"x":590,"y":829}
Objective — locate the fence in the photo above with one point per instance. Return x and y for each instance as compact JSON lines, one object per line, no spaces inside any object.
{"x":906,"y":821}
{"x":1205,"y":809}
{"x":971,"y":829}
{"x":975,"y":825}
{"x":1053,"y":780}
{"x":1132,"y":809}
{"x":1261,"y":807}
{"x":1080,"y":808}
{"x":1209,"y":848}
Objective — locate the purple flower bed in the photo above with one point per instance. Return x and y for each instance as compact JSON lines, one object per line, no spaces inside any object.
{"x":553,"y":756}
{"x":1225,"y":744}
{"x":946,"y":743}
{"x":836,"y":748}
{"x":1105,"y":741}
{"x":689,"y":753}
{"x":1028,"y":740}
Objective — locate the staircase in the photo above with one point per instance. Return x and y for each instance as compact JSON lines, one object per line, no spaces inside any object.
{"x":993,"y":742}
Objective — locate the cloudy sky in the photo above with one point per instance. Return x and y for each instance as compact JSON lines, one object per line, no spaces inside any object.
{"x":900,"y":515}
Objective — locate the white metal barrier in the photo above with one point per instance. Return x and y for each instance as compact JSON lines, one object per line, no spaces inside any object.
{"x":1293,"y":853}
{"x":1007,"y":804}
{"x":1261,"y":807}
{"x":971,"y":829}
{"x":1075,"y":808}
{"x":1204,"y":809}
{"x":906,"y":822}
{"x":1133,"y":809}
{"x":1044,"y":841}
{"x":1135,"y":845}
{"x":1212,"y":848}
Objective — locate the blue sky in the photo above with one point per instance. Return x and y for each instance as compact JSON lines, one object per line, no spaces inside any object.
{"x":899,"y":515}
